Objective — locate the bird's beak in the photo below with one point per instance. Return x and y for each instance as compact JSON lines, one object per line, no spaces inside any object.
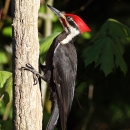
{"x":57,"y":12}
{"x":60,"y":15}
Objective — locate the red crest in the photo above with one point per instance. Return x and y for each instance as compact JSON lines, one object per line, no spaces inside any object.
{"x":81,"y":24}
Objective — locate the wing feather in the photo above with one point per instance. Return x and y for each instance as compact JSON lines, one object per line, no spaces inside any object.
{"x":64,"y":74}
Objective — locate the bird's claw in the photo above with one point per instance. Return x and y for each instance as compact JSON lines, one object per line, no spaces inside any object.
{"x":35,"y":77}
{"x":29,"y":67}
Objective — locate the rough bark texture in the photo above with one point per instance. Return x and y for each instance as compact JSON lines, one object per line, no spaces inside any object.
{"x":27,"y":112}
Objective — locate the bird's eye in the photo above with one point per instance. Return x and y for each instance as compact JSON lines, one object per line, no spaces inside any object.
{"x":69,"y":18}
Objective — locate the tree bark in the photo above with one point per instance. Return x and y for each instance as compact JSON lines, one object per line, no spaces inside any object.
{"x":27,"y":108}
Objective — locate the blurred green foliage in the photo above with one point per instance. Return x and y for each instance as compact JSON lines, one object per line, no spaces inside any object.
{"x":5,"y":100}
{"x":105,"y":52}
{"x":45,"y":44}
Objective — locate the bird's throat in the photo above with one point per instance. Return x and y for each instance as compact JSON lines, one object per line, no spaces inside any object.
{"x":70,"y":36}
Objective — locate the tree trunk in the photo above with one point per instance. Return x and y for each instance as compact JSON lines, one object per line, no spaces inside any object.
{"x":27,"y":108}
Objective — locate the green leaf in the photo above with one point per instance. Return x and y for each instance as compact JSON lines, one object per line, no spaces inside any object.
{"x":45,"y":44}
{"x":7,"y":90}
{"x":7,"y":31}
{"x":119,"y":60}
{"x":6,"y":125}
{"x":4,"y":75}
{"x":114,"y":28}
{"x":42,"y":9}
{"x":108,"y":47}
{"x":3,"y":58}
{"x":54,"y":18}
{"x":86,"y":35}
{"x":106,"y":54}
{"x":57,"y":28}
{"x":6,"y":86}
{"x":2,"y":108}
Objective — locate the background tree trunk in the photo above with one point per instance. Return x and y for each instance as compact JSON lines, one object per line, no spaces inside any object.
{"x":27,"y":108}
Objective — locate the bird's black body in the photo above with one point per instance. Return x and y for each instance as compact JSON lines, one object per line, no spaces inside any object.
{"x":61,"y":62}
{"x":61,"y":66}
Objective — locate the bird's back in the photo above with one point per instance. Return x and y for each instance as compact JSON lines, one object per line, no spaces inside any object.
{"x":64,"y":74}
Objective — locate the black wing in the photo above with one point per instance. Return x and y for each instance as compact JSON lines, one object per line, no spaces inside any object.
{"x":64,"y":74}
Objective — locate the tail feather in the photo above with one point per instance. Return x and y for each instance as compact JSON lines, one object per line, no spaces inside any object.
{"x":63,"y":116}
{"x":55,"y":112}
{"x":54,"y":118}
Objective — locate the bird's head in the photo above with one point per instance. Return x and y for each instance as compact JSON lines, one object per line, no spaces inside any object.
{"x":71,"y":22}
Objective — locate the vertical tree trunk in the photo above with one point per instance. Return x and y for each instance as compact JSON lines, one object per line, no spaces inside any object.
{"x":27,"y":108}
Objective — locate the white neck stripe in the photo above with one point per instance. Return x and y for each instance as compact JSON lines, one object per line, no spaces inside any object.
{"x":73,"y":32}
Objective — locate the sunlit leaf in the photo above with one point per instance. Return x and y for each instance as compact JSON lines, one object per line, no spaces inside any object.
{"x":54,"y":18}
{"x":4,"y":75}
{"x":2,"y":107}
{"x":86,"y":35}
{"x":3,"y":58}
{"x":7,"y":90}
{"x":7,"y":31}
{"x":45,"y":44}
{"x":6,"y":85}
{"x":42,"y":9}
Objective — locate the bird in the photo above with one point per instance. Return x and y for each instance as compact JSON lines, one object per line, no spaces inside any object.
{"x":61,"y":67}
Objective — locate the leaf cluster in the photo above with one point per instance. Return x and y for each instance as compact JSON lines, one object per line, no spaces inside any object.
{"x":108,"y":46}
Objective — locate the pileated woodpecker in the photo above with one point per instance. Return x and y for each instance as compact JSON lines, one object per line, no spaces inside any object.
{"x":61,"y":66}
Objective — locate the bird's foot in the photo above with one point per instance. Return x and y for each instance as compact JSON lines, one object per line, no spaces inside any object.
{"x":36,"y":74}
